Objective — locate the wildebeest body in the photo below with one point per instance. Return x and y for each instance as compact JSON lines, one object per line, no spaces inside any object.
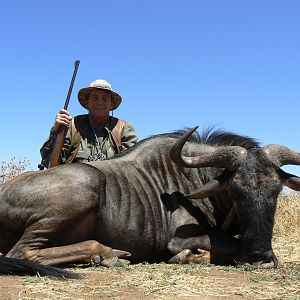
{"x":143,"y":202}
{"x":78,"y":202}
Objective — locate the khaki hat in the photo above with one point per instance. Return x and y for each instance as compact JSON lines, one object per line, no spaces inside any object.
{"x":102,"y":84}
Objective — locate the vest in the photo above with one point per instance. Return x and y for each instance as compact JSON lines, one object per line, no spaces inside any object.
{"x":114,"y":135}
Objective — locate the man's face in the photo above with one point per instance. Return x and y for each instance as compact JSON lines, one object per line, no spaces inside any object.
{"x":99,"y":101}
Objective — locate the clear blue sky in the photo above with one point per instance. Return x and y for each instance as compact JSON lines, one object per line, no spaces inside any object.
{"x":231,"y":64}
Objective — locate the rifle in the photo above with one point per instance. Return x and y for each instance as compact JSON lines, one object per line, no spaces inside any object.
{"x":62,"y":130}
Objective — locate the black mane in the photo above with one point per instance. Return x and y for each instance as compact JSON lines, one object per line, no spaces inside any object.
{"x":220,"y":137}
{"x":209,"y":136}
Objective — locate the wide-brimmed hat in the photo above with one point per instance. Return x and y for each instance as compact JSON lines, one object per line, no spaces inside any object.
{"x":102,"y":84}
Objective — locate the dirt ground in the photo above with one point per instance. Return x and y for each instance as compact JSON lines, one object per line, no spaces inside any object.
{"x":161,"y":281}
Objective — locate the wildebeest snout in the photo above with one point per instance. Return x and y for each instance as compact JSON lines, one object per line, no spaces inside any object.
{"x":260,"y":260}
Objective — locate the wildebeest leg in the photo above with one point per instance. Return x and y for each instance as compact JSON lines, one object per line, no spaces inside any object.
{"x":83,"y":252}
{"x":217,"y":248}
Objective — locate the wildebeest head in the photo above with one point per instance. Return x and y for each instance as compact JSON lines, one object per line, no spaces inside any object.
{"x":253,"y":179}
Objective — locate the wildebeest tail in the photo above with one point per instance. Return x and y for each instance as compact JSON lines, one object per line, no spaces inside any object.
{"x":15,"y":266}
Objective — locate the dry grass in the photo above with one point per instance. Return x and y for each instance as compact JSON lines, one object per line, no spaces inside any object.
{"x":288,"y":215}
{"x":286,"y":238}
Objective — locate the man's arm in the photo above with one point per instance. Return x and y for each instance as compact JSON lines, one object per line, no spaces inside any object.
{"x":129,"y":136}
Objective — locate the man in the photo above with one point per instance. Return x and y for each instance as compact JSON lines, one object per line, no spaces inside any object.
{"x":93,"y":136}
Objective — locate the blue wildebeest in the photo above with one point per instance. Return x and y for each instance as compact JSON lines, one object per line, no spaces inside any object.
{"x":177,"y":197}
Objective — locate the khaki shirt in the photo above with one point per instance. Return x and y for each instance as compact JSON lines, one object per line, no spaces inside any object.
{"x":93,"y":145}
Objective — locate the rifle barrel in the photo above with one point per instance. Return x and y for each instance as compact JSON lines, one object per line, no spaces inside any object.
{"x":71,"y":84}
{"x":62,"y":130}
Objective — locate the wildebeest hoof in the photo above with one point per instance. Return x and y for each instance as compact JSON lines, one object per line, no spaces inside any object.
{"x":186,"y":257}
{"x":114,"y":262}
{"x":124,"y":262}
{"x":96,"y":260}
{"x":201,"y":251}
{"x":181,"y":257}
{"x":121,"y":253}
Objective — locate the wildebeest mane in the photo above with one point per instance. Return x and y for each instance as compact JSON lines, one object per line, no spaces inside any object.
{"x":209,"y":136}
{"x":219,"y":137}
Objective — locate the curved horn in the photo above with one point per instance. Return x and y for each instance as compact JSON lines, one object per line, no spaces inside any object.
{"x":280,"y":155}
{"x":212,"y":187}
{"x":290,"y":180}
{"x":229,"y":157}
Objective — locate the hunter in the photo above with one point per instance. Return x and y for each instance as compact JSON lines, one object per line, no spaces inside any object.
{"x":93,"y":136}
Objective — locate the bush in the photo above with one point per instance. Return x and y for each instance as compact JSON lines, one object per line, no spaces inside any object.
{"x":8,"y":170}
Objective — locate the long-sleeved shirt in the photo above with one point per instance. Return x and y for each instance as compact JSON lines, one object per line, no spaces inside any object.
{"x":89,"y":144}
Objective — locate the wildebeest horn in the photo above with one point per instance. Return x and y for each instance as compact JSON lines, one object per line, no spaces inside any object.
{"x":212,"y":187}
{"x":229,"y":157}
{"x":279,"y":156}
{"x":293,"y":182}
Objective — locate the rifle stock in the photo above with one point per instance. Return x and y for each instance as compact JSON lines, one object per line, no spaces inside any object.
{"x":62,"y":130}
{"x":58,"y":146}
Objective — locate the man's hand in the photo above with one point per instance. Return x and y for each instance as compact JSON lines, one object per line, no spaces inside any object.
{"x":62,"y":118}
